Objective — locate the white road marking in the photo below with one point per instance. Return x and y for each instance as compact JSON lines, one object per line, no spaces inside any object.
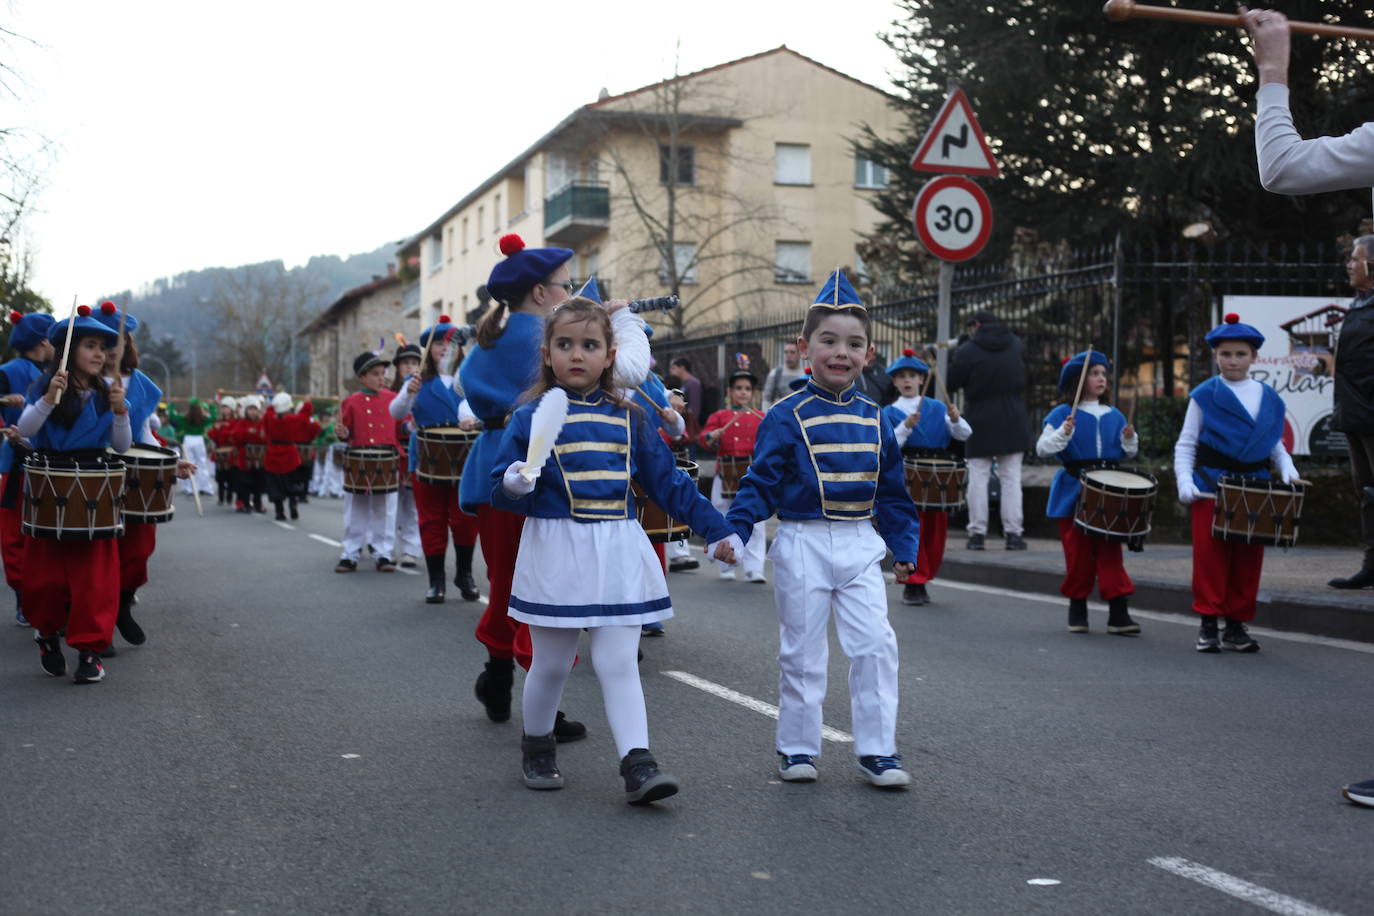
{"x":288,"y":527}
{"x":408,"y":572}
{"x":1239,"y":888}
{"x":324,"y":540}
{"x":350,"y":756}
{"x":1162,"y":617}
{"x":1043,"y":882}
{"x":748,"y":702}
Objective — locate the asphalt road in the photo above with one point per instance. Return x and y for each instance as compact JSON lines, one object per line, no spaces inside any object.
{"x":290,"y":740}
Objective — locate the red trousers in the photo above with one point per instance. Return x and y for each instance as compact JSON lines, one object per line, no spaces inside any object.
{"x":931,"y":552}
{"x":136,"y":545}
{"x":437,"y":507}
{"x":11,"y":541}
{"x":662,"y":555}
{"x":82,"y":574}
{"x":1087,"y":558}
{"x":499,"y":533}
{"x":1226,"y":575}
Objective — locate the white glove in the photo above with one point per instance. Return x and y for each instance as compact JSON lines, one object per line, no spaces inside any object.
{"x":1188,"y":492}
{"x":1288,"y":473}
{"x":516,"y":484}
{"x":734,"y":543}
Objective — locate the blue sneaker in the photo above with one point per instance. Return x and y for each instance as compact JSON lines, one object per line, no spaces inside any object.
{"x":796,"y":767}
{"x":19,"y":620}
{"x":885,"y":772}
{"x":1360,"y":793}
{"x":652,"y":629}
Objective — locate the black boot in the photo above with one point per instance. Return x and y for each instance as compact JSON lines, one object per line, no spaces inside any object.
{"x":292,"y":506}
{"x":1362,"y":579}
{"x":644,"y":782}
{"x":435,"y":564}
{"x":280,"y":516}
{"x":539,"y":761}
{"x":125,"y":623}
{"x":1078,"y":615}
{"x":565,"y":729}
{"x":493,"y":688}
{"x":463,"y":579}
{"x":1119,"y":621}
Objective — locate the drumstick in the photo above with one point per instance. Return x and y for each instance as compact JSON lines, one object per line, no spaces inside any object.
{"x":195,"y":490}
{"x":67,"y":346}
{"x":119,"y":344}
{"x":1119,"y":10}
{"x":1082,"y":377}
{"x":736,"y":417}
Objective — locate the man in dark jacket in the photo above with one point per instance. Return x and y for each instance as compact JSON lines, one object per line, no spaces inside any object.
{"x":989,"y":369}
{"x":1353,"y":411}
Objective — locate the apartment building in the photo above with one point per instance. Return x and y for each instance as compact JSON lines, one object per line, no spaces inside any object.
{"x":736,"y":187}
{"x":361,"y":319}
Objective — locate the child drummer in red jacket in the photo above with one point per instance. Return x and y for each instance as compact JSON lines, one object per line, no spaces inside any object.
{"x":730,"y":433}
{"x":365,"y":419}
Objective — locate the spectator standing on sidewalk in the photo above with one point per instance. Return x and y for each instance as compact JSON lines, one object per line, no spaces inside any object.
{"x":991,"y":372}
{"x":778,"y":383}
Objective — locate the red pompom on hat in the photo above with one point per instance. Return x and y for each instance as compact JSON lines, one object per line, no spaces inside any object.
{"x":1065,"y":361}
{"x":107,"y":307}
{"x":908,"y":352}
{"x":807,"y":370}
{"x":444,"y":319}
{"x":16,"y":317}
{"x":84,"y":311}
{"x":1232,"y":318}
{"x":510,"y":244}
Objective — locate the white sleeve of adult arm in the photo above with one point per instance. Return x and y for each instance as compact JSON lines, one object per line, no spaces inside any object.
{"x":1288,"y":164}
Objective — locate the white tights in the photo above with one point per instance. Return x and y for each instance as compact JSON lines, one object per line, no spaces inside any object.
{"x":615,"y":653}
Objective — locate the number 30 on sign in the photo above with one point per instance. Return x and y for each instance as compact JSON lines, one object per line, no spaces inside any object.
{"x":953,"y":218}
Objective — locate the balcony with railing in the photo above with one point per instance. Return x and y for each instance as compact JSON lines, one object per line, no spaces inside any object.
{"x":577,"y":211}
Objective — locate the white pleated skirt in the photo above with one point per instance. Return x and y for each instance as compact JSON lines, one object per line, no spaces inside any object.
{"x":587,"y":574}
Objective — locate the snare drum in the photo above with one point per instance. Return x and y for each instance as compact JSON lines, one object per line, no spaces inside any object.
{"x":730,"y":469}
{"x":254,"y":453}
{"x":223,"y":454}
{"x":307,"y":453}
{"x":936,"y":484}
{"x":150,"y":474}
{"x":71,"y":499}
{"x":441,"y":452}
{"x":371,"y":469}
{"x":1253,"y":511}
{"x":658,"y":524}
{"x":1115,"y":504}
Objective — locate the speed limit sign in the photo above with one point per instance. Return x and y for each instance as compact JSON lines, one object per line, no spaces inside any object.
{"x":953,"y":218}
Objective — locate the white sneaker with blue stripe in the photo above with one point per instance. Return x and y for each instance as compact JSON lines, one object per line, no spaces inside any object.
{"x":796,"y":767}
{"x":885,"y":771}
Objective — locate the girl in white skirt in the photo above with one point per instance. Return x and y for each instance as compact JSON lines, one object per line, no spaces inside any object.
{"x":584,"y":561}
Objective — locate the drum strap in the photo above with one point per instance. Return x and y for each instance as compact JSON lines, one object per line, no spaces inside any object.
{"x":1076,"y":468}
{"x":914,"y":451}
{"x":1209,"y":457}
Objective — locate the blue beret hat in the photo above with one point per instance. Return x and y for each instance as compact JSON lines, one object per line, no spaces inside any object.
{"x":444,"y":325}
{"x":523,"y":268}
{"x":108,"y":315}
{"x":1068,"y":375}
{"x":1232,"y":328}
{"x":84,"y":326}
{"x":838,"y":292}
{"x":29,"y":330}
{"x":908,"y":360}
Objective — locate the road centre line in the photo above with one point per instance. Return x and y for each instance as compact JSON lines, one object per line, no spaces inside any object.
{"x":324,"y":540}
{"x":1163,"y":617}
{"x":1239,"y":888}
{"x":748,"y":702}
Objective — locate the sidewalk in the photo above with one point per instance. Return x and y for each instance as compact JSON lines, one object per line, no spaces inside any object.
{"x":1293,"y":592}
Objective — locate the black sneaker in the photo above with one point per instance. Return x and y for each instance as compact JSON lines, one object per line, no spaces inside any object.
{"x":566,"y":730}
{"x":467,"y":587}
{"x":384,"y":564}
{"x":128,"y":627}
{"x":1207,"y":635}
{"x":89,"y":670}
{"x":915,"y":594}
{"x":50,"y":655}
{"x":295,"y":514}
{"x":1235,"y":638}
{"x":1078,"y":615}
{"x":493,"y":688}
{"x":975,"y":542}
{"x":345,"y":566}
{"x":885,"y":772}
{"x":539,"y":762}
{"x":682,"y":564}
{"x":1016,"y":542}
{"x":1360,"y":793}
{"x":644,"y":782}
{"x":1119,"y":622}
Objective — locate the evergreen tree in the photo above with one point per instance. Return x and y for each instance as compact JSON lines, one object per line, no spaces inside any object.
{"x":1141,"y":126}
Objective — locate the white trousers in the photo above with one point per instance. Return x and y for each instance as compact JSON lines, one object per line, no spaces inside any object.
{"x":332,"y":484}
{"x":818,"y":567}
{"x":407,"y":524}
{"x":1009,"y":476}
{"x":752,"y":561}
{"x":674,"y":550}
{"x":202,"y":479}
{"x":369,"y":519}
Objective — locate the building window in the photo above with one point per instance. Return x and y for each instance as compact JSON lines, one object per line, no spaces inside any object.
{"x":792,"y":262}
{"x":496,"y":215}
{"x":792,"y":164}
{"x":436,"y":252}
{"x":686,"y":164}
{"x":465,"y":234}
{"x":593,"y":262}
{"x":481,"y":215}
{"x":869,"y":174}
{"x":861,"y":269}
{"x":448,"y":246}
{"x":561,"y":172}
{"x":685,"y":254}
{"x":438,"y":309}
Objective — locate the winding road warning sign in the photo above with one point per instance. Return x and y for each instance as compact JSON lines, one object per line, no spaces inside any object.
{"x":955,"y":143}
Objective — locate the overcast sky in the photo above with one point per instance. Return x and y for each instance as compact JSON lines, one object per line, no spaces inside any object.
{"x":192,"y":135}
